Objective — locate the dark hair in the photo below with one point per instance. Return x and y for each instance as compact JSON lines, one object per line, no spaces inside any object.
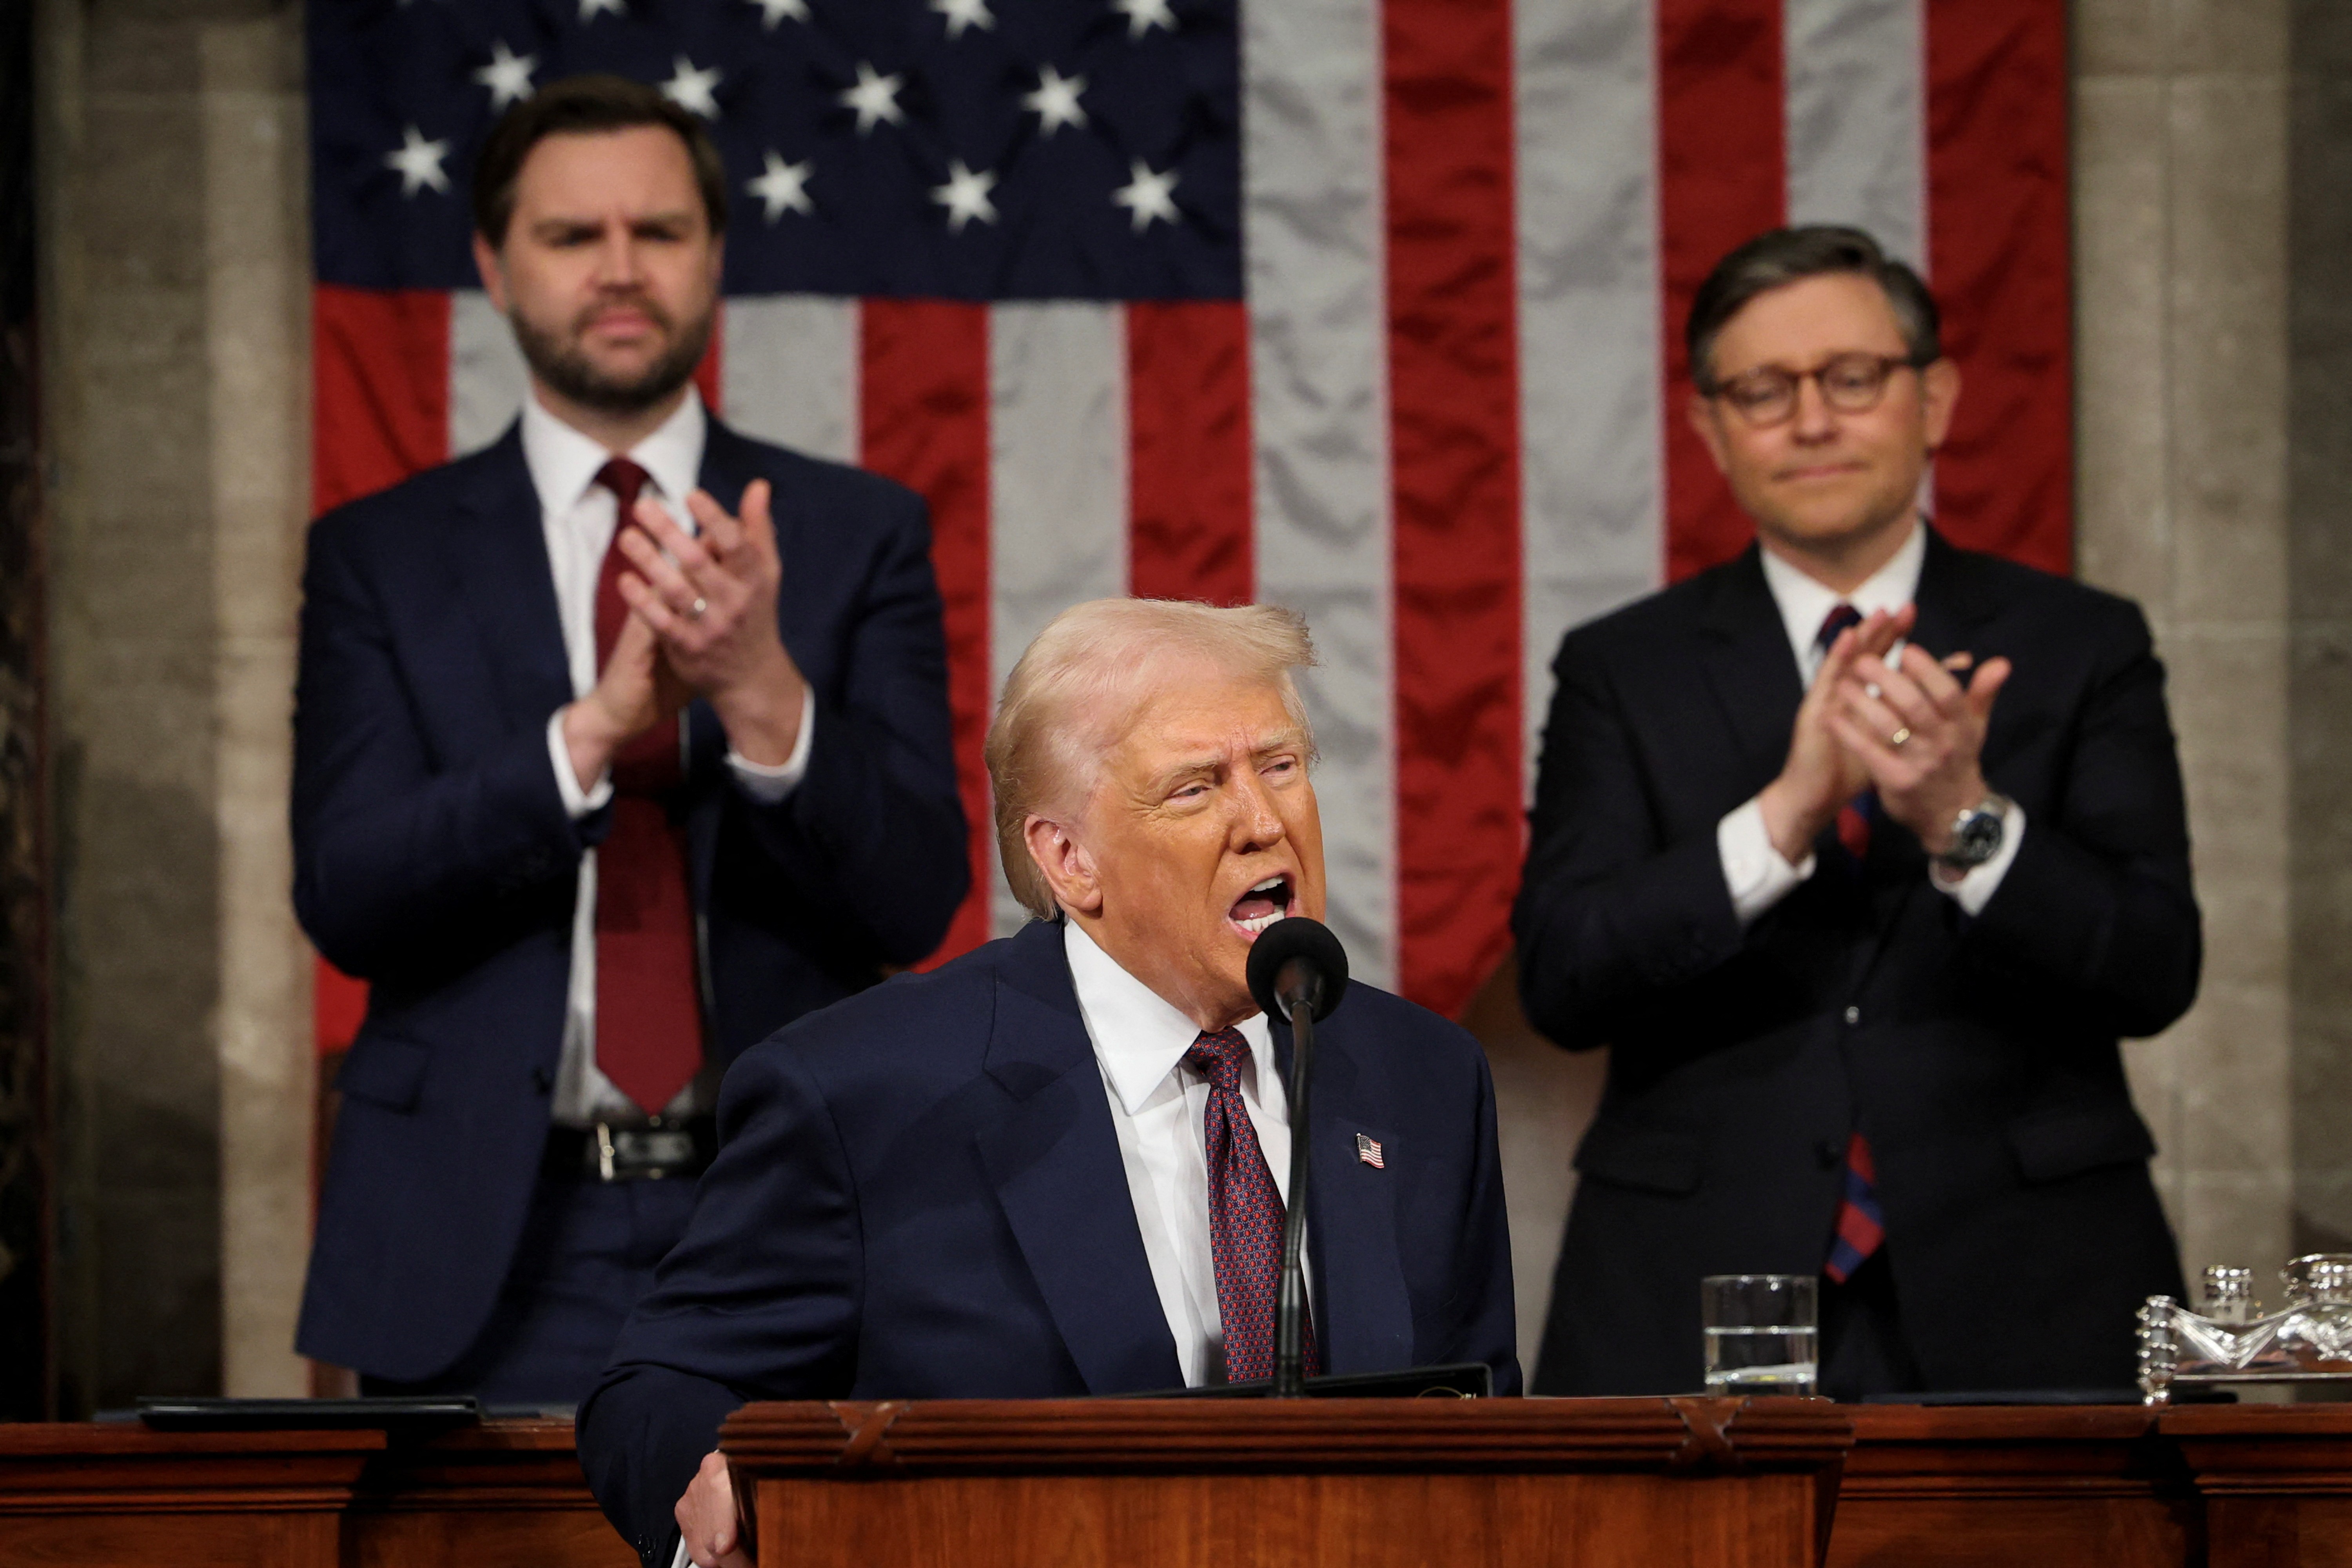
{"x":1785,"y":254}
{"x":586,"y":103}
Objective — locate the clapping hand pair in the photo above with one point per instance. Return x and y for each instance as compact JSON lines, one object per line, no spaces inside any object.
{"x":1901,"y":724}
{"x":702,"y":622}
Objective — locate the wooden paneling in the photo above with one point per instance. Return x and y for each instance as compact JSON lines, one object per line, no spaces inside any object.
{"x":1602,"y":1483}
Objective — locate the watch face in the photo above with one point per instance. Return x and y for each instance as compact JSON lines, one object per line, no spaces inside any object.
{"x":1977,"y":840}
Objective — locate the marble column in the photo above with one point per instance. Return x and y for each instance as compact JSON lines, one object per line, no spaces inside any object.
{"x":2211,"y":421}
{"x":174,"y":264}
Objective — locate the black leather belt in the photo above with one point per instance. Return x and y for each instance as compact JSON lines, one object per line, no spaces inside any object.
{"x":604,"y":1153}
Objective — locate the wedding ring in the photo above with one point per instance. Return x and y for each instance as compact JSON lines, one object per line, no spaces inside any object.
{"x":701,"y":604}
{"x":1897,"y":739}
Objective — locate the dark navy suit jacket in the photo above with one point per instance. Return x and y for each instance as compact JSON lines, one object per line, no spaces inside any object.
{"x":919,"y":1195}
{"x":434,"y":856}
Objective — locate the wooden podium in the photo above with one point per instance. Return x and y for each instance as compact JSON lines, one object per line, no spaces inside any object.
{"x":1350,"y":1483}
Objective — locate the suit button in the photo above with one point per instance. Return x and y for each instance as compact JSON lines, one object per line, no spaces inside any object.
{"x":1852,"y":1016}
{"x":1830,"y":1152}
{"x":542,"y":1080}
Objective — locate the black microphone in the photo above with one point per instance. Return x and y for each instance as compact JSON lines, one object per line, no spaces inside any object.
{"x":1297,"y":971}
{"x":1297,"y":962}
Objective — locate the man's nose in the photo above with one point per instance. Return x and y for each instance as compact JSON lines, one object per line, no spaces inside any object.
{"x":1256,"y":823}
{"x":1815,"y":419}
{"x":617,"y":257}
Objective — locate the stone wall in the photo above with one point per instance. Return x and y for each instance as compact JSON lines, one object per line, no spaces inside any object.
{"x":175,"y":301}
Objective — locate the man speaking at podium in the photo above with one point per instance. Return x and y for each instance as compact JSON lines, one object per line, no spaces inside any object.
{"x":1058,"y":1166}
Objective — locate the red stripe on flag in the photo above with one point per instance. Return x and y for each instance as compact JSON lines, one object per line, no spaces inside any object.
{"x":707,"y":379}
{"x":380,"y":412}
{"x":1998,"y":248}
{"x":1454,"y":414}
{"x":923,"y":417}
{"x":1721,"y":180}
{"x":1189,"y":451}
{"x":380,"y":389}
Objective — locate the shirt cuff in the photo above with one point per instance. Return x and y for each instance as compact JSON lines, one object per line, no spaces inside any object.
{"x":577,"y":803}
{"x":1754,"y":871}
{"x":770,"y":784}
{"x":1975,"y":890}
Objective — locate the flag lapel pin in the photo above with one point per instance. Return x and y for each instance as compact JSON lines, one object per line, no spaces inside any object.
{"x":1368,"y":1149}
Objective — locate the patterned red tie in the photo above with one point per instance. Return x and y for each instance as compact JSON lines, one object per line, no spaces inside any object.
{"x":649,"y":1014}
{"x":1860,"y":1227}
{"x":1854,"y":817}
{"x":1245,"y":1216}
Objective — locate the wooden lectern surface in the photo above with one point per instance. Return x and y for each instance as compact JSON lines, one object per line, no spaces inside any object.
{"x":1503,"y":1482}
{"x":1596,"y":1483}
{"x":97,"y":1496}
{"x":2276,"y":1479}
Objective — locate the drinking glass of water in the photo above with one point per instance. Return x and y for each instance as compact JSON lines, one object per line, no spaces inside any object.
{"x":1762,"y":1333}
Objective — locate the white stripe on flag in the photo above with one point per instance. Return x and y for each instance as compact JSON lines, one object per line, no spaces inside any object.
{"x":1057,"y":434}
{"x":488,"y":377}
{"x":1311,"y":170}
{"x":1857,"y":134}
{"x":788,"y":369}
{"x":1592,"y":462}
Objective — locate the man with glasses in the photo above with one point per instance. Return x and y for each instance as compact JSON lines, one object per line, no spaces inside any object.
{"x":1861,"y":853}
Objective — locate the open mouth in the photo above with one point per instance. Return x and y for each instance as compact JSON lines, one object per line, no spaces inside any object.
{"x":1262,"y":905}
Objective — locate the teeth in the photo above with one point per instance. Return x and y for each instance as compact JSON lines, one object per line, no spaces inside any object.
{"x":1260,"y":922}
{"x":1269,"y":885}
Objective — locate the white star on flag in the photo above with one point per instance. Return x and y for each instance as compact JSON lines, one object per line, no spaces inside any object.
{"x":965,"y":196}
{"x":963,"y":14}
{"x":692,"y":89}
{"x":1147,"y":195}
{"x":1142,"y":16}
{"x":508,"y":76}
{"x":1055,"y":101}
{"x":419,"y":162}
{"x":774,"y":11}
{"x":783,"y":187}
{"x":588,"y":9}
{"x":876,"y":98}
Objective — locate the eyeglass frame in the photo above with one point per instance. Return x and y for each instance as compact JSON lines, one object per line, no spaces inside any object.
{"x":1887,"y":364}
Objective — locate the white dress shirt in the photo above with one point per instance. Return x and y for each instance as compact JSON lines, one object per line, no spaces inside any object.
{"x":1757,"y":874}
{"x":1159,"y":1108}
{"x":577,"y":517}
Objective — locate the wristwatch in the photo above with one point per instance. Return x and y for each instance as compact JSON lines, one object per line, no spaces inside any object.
{"x":1976,"y":833}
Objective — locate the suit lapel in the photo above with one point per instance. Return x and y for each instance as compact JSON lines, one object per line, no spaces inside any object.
{"x":498,"y":554}
{"x":1053,"y":1160}
{"x":1749,"y":664}
{"x":1363,"y":1315}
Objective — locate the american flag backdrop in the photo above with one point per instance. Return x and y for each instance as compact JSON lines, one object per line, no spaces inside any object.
{"x":1367,"y":307}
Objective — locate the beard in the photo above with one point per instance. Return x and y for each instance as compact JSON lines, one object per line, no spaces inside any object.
{"x":557,"y":358}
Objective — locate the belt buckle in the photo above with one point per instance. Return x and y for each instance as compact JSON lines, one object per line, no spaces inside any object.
{"x":604,"y":1152}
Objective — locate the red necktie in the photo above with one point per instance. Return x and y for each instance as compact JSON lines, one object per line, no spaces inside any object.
{"x":648,"y":1013}
{"x":1244,"y":1214}
{"x":1854,"y":817}
{"x":1860,"y":1227}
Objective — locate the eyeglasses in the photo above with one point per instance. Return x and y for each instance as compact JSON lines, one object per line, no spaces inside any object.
{"x":1851,"y":384}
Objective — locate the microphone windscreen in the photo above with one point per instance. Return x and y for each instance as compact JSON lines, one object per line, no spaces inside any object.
{"x":1297,"y":937}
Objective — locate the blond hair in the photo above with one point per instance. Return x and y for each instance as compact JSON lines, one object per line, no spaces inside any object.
{"x":1079,"y":685}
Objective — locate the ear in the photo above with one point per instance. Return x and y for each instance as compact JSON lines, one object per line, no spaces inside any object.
{"x":1703,"y":420}
{"x":494,"y":277}
{"x":1939,"y":393}
{"x":1064,"y":862}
